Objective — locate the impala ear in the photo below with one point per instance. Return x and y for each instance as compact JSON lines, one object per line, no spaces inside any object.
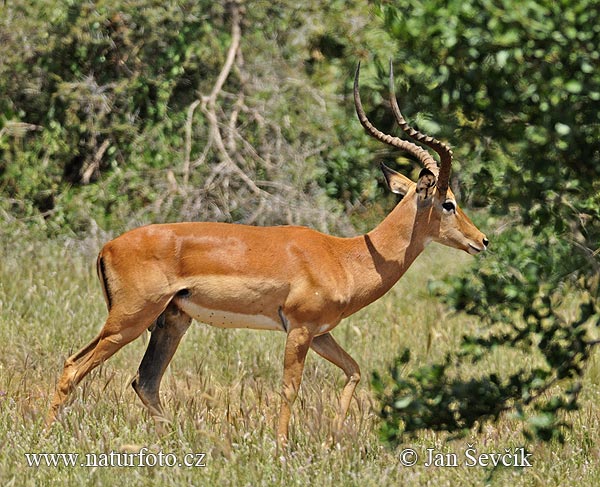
{"x":426,"y":184}
{"x":397,"y":183}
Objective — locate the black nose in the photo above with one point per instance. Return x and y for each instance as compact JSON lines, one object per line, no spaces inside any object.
{"x":486,"y":242}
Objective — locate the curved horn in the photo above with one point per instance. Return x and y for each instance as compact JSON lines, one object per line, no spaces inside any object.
{"x":442,"y":149}
{"x":424,"y":157}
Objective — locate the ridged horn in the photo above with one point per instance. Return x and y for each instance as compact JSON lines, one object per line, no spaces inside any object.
{"x":442,"y":149}
{"x":421,"y":154}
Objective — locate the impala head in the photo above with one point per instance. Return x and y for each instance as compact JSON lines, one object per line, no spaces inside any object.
{"x":438,"y":214}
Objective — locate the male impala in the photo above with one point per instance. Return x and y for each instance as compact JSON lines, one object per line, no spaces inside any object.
{"x":289,"y":279}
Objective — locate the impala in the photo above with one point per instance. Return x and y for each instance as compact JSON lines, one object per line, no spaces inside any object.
{"x":289,"y":279}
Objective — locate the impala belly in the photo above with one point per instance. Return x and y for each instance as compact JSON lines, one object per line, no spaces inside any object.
{"x":324,"y":329}
{"x":227,"y":319}
{"x":242,"y":302}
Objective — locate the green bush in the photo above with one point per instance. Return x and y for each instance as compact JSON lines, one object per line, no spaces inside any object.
{"x":519,"y":86}
{"x":103,"y":115}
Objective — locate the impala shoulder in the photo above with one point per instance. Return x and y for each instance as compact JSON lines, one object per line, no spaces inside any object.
{"x":324,"y":281}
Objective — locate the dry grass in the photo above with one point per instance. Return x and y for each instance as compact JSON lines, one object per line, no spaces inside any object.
{"x":222,"y":392}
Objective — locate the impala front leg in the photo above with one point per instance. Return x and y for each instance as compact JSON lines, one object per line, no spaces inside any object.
{"x":297,"y":345}
{"x":330,"y":350}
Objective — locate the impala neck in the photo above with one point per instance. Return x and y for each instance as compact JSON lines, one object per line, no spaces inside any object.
{"x":383,"y":255}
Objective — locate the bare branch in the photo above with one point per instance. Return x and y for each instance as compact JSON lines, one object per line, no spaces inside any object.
{"x":188,"y":141}
{"x":236,"y":36}
{"x":93,"y":166}
{"x":209,"y":103}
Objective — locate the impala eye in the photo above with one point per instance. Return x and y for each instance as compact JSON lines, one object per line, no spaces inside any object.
{"x":449,"y":206}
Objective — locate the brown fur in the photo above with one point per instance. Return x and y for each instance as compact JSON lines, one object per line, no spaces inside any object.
{"x":304,"y":279}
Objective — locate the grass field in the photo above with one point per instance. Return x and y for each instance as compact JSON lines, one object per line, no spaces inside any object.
{"x":222,"y":392}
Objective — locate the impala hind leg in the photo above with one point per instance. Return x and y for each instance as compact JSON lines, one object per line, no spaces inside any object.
{"x":164,"y":340}
{"x":296,"y":346}
{"x":120,"y":329}
{"x":330,"y":350}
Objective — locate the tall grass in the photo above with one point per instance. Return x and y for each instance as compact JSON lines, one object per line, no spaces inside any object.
{"x":222,"y":391}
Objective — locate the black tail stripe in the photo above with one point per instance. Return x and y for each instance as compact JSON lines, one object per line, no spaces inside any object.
{"x":105,"y":283}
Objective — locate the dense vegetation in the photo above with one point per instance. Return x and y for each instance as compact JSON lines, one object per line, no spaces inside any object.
{"x":115,"y":113}
{"x":520,"y":82}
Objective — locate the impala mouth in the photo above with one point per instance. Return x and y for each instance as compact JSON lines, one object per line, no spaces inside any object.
{"x":473,"y":250}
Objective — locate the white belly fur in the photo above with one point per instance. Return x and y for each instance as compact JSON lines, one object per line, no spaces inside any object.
{"x":227,"y":319}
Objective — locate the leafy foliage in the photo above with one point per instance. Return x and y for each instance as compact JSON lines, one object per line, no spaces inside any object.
{"x":104,"y":116}
{"x":519,"y":83}
{"x":434,"y":397}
